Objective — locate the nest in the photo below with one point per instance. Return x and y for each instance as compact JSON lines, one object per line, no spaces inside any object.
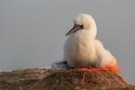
{"x":83,"y":79}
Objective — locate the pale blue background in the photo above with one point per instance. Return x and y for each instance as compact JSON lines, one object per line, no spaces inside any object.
{"x":32,"y":32}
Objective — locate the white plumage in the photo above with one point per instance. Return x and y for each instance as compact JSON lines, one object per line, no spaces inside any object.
{"x":81,"y":47}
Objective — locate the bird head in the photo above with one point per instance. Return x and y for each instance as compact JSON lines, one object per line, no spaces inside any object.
{"x":83,"y":22}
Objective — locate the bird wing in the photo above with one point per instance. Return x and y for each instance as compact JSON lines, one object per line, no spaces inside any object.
{"x":104,"y":56}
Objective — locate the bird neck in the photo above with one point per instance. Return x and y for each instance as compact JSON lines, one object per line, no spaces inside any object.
{"x":93,"y":30}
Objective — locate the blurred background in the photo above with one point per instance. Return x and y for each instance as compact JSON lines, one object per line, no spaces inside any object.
{"x":32,"y":32}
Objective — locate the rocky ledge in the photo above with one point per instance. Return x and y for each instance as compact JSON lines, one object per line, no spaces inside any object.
{"x":73,"y":79}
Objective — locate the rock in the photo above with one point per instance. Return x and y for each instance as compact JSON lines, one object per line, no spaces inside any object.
{"x":73,"y":79}
{"x":21,"y":79}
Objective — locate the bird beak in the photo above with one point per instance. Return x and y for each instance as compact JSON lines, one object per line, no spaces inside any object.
{"x":75,"y":29}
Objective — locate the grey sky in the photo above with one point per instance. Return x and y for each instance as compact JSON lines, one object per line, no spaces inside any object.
{"x":32,"y":32}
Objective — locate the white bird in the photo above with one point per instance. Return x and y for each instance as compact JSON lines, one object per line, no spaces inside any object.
{"x":82,"y":49}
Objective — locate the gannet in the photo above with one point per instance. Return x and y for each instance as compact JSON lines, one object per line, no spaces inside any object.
{"x":82,"y":49}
